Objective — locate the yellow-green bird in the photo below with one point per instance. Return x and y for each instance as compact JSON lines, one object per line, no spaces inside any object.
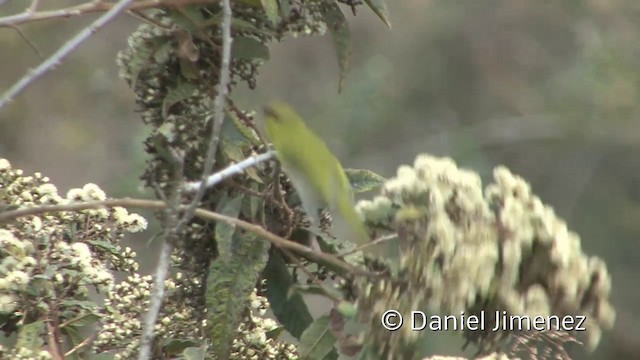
{"x":315,"y":172}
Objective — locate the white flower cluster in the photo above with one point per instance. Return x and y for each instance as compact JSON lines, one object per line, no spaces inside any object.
{"x":460,"y":248}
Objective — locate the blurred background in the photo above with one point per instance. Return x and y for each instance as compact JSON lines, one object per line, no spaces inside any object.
{"x":549,"y":89}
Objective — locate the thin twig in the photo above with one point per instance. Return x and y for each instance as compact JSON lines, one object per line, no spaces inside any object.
{"x":201,"y":213}
{"x":218,"y":115}
{"x":373,"y":243}
{"x":31,"y":44}
{"x":82,"y":344}
{"x":231,"y":170}
{"x":63,"y":52}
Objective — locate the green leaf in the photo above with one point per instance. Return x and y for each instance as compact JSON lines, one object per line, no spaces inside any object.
{"x":247,"y":48}
{"x":237,"y":141}
{"x":224,"y":232}
{"x":237,"y":25}
{"x":317,"y":342}
{"x":271,"y":9}
{"x":230,"y":282}
{"x":253,"y":205}
{"x":285,"y":8}
{"x":308,"y":289}
{"x":380,"y":8}
{"x":84,"y":319}
{"x":76,"y":338}
{"x":107,"y":247}
{"x":29,"y":336}
{"x":347,"y":309}
{"x":173,"y":347}
{"x":362,"y":180}
{"x":195,"y":353}
{"x":341,"y":35}
{"x":244,"y":133}
{"x":187,"y":17}
{"x":183,"y":91}
{"x":275,"y":333}
{"x":291,"y":311}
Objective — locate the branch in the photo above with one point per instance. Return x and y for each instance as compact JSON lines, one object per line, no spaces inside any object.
{"x":231,"y":170}
{"x":170,"y":236}
{"x":31,"y":15}
{"x":63,"y":52}
{"x":132,"y":203}
{"x":218,"y":115}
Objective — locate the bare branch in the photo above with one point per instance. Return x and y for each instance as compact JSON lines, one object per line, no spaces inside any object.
{"x":89,"y":8}
{"x":63,"y":52}
{"x":170,"y":236}
{"x":233,"y":169}
{"x":218,"y":115}
{"x":201,"y":213}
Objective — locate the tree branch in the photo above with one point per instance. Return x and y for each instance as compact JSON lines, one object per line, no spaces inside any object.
{"x":91,"y":7}
{"x":55,"y":59}
{"x":201,"y":213}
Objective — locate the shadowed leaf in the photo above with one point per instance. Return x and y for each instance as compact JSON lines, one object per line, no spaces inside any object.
{"x":341,"y":35}
{"x":362,"y":180}
{"x":317,"y":342}
{"x":380,"y":8}
{"x":230,"y":281}
{"x":291,"y":312}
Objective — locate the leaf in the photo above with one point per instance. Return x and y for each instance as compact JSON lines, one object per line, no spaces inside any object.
{"x":195,"y":353}
{"x":275,"y":333}
{"x":173,"y":347}
{"x":237,"y":25}
{"x":183,"y":91}
{"x":362,"y":180}
{"x":253,"y":206}
{"x":29,"y":336}
{"x":187,"y":17}
{"x":291,"y":311}
{"x":308,"y":289}
{"x":246,"y":48}
{"x":231,"y":280}
{"x":224,"y":232}
{"x":317,"y":342}
{"x":244,"y":132}
{"x":347,"y":309}
{"x":237,"y":141}
{"x":76,"y":338}
{"x":285,"y":8}
{"x":271,"y":9}
{"x":107,"y":247}
{"x":380,"y":8}
{"x":341,"y":35}
{"x":84,"y":319}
